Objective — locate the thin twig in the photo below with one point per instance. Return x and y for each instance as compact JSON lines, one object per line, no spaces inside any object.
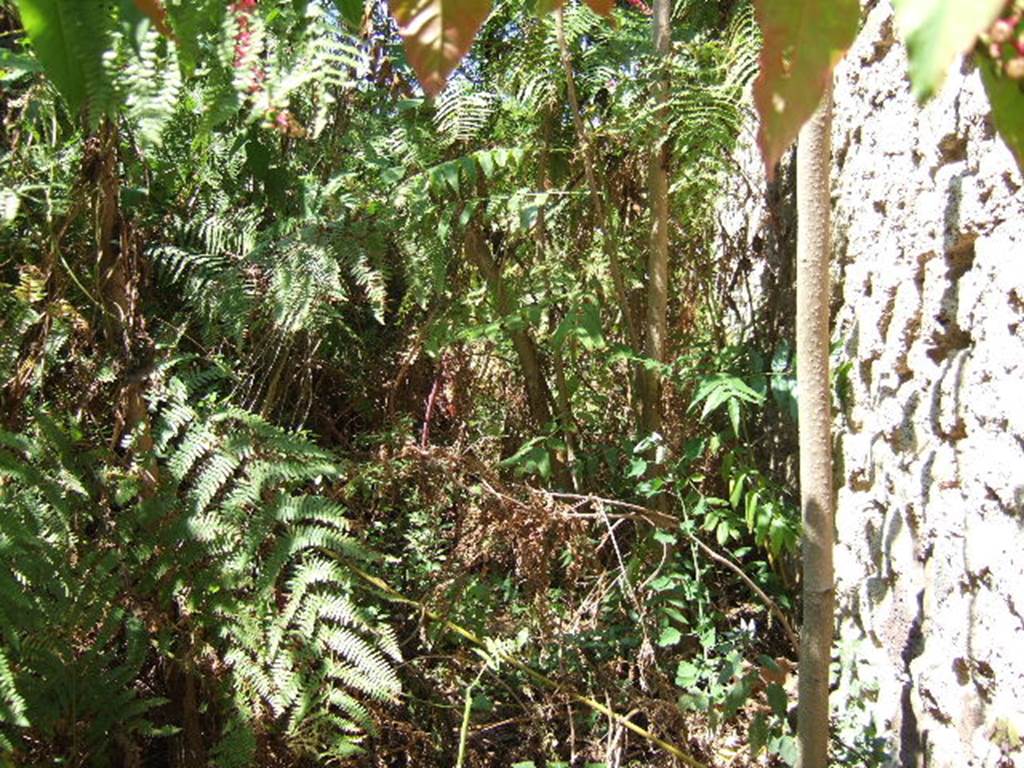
{"x":604,"y":709}
{"x":662,"y":520}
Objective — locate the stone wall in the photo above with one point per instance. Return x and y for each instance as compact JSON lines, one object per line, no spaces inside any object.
{"x":929,"y":313}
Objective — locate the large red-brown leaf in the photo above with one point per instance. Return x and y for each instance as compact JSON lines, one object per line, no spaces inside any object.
{"x":437,"y":34}
{"x":602,"y":7}
{"x":157,"y":14}
{"x":803,"y":41}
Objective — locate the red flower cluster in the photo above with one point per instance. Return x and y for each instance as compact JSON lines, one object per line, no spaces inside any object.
{"x":641,"y":6}
{"x":1005,"y":41}
{"x":243,"y":10}
{"x":279,"y":119}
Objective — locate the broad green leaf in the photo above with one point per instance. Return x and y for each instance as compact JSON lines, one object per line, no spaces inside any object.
{"x":669,"y":636}
{"x":733,"y":408}
{"x":722,"y":533}
{"x":937,"y":31}
{"x":777,"y":699}
{"x":758,"y":733}
{"x":1007,"y":107}
{"x":351,"y":12}
{"x":437,"y":34}
{"x":687,"y":674}
{"x":785,"y":747}
{"x":486,"y":163}
{"x":14,"y":66}
{"x":803,"y":41}
{"x":50,"y":32}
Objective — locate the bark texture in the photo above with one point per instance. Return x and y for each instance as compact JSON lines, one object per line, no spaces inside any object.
{"x":538,"y":394}
{"x":656,"y":321}
{"x":928,"y":312}
{"x":812,"y":344}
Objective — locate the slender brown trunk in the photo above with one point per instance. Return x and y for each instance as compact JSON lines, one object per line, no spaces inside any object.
{"x":119,"y":289}
{"x":812,"y":345}
{"x":656,"y":323}
{"x":563,"y":401}
{"x":537,"y":394}
{"x":565,"y":417}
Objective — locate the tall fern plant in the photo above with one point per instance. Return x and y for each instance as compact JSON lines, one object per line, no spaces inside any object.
{"x":229,"y":575}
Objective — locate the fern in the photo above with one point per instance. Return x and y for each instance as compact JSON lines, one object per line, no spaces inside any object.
{"x":153,"y":85}
{"x":462,"y":111}
{"x":233,"y":538}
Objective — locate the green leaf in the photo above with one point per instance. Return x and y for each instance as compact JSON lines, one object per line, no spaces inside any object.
{"x":637,"y":468}
{"x":14,"y":66}
{"x":486,"y":162}
{"x":937,"y":31}
{"x":351,"y":12}
{"x":736,"y":487}
{"x":687,"y":674}
{"x":532,"y":458}
{"x":777,"y":699}
{"x":1007,"y":107}
{"x":50,"y":33}
{"x":733,"y":408}
{"x":662,"y":583}
{"x":803,"y":41}
{"x":450,"y":173}
{"x":589,"y":329}
{"x":722,"y":532}
{"x":758,"y":735}
{"x":664,"y":537}
{"x":786,"y":748}
{"x":669,"y":636}
{"x":437,"y":34}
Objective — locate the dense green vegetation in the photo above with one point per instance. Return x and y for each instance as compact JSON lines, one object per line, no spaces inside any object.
{"x":332,"y":432}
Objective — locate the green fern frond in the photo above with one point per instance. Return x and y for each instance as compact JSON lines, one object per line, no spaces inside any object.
{"x":152,"y":85}
{"x":462,"y":111}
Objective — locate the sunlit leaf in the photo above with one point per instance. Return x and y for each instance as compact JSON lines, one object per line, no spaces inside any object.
{"x":687,"y":674}
{"x":437,"y":34}
{"x":9,"y":204}
{"x":51,"y":37}
{"x":937,"y":31}
{"x":669,"y":636}
{"x":803,"y":41}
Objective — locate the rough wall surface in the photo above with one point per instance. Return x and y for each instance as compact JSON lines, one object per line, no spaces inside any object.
{"x":928,"y":225}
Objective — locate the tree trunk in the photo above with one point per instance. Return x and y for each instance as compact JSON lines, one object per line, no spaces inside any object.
{"x":656,"y":323}
{"x":538,"y":396}
{"x":119,"y":289}
{"x":812,"y":345}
